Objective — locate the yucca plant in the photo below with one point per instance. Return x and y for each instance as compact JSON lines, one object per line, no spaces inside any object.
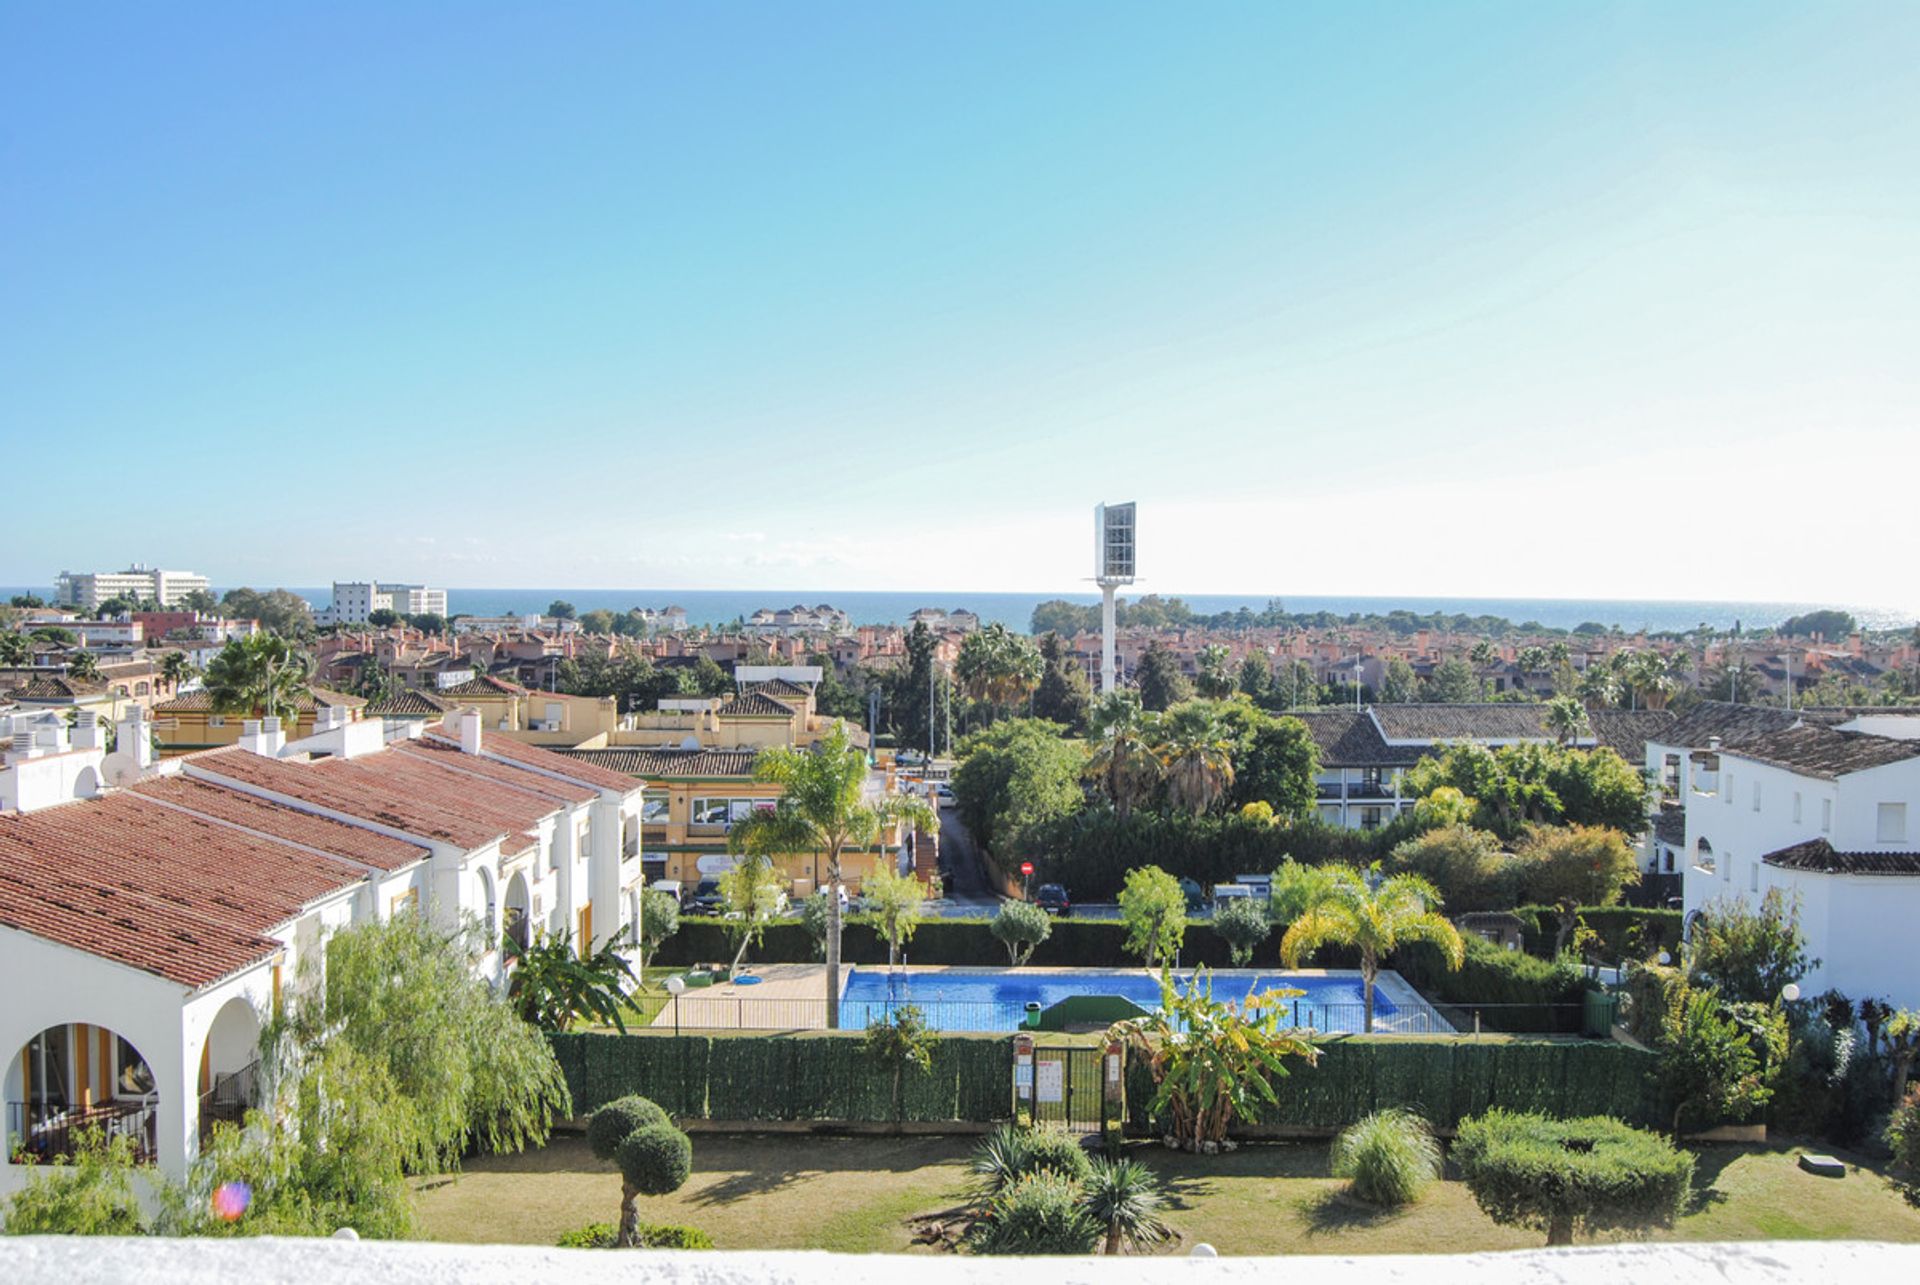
{"x":1387,"y":1157}
{"x":1123,"y":1196}
{"x":1011,"y":1153}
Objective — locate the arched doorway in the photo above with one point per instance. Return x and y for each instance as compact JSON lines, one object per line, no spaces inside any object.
{"x":519,"y":911}
{"x":73,"y":1078}
{"x":229,"y":1065}
{"x":489,"y":911}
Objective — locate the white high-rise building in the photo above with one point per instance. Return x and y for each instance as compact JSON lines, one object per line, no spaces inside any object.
{"x":355,"y":600}
{"x":88,"y":589}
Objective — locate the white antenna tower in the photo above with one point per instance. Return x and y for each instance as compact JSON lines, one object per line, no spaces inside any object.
{"x":1113,"y":544}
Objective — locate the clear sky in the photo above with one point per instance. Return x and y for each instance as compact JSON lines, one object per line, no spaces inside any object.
{"x":1506,"y":299}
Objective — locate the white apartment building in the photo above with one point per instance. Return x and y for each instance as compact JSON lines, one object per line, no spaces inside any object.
{"x":88,"y":589}
{"x":355,"y":600}
{"x":152,"y":913}
{"x":1828,"y":815}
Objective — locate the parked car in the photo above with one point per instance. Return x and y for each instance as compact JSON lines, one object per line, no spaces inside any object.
{"x":706,"y":898}
{"x":672,"y":887}
{"x":1052,"y":898}
{"x":945,"y":792}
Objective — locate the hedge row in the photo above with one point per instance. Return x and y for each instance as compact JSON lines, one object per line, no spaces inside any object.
{"x":1623,"y":931}
{"x":785,"y":1077}
{"x":1510,"y":990}
{"x":1091,"y":851}
{"x":1446,"y":1081}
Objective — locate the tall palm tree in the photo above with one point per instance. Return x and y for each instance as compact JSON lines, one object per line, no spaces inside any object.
{"x":263,"y":675}
{"x":1195,"y":752}
{"x":1567,"y":720}
{"x":1377,"y":916}
{"x":1122,"y":760}
{"x":83,"y":666}
{"x":15,"y":648}
{"x":823,"y":809}
{"x":176,"y":668}
{"x":998,"y":666}
{"x":1482,"y":656}
{"x":1599,"y":687}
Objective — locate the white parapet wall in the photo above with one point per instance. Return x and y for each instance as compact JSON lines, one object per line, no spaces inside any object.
{"x":31,"y":1260}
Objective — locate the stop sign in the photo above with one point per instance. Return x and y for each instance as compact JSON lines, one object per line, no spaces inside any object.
{"x":1026,"y":867}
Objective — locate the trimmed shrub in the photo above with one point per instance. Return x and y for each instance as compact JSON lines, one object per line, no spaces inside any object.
{"x":1512,"y":991}
{"x":612,"y":1123}
{"x":656,"y":1160}
{"x":1565,"y":1176}
{"x":1092,"y":850}
{"x":1903,"y":1137}
{"x":651,"y":1236}
{"x":1038,"y":1214}
{"x":1387,"y":1157}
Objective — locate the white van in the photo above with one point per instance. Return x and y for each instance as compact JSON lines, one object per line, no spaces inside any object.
{"x":672,"y":887}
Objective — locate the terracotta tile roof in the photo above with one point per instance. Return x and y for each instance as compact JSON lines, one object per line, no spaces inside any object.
{"x":282,"y":822}
{"x":449,"y":755}
{"x":778,"y":687}
{"x":1820,"y":856}
{"x":481,"y":685}
{"x":754,"y":705}
{"x":1438,"y":722}
{"x":665,"y":764}
{"x":1700,"y":722}
{"x":201,"y":701}
{"x":403,"y":791}
{"x":409,"y":702}
{"x":179,"y":896}
{"x":568,"y":765}
{"x":1347,"y":739}
{"x":1821,"y":751}
{"x":1628,"y":731}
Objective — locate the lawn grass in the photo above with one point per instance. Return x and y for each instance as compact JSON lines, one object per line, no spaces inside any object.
{"x":855,"y":1195}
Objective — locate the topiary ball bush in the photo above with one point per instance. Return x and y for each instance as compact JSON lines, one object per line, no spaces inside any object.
{"x":1561,"y":1176}
{"x":655,"y":1160}
{"x":1387,"y":1157}
{"x":1039,"y":1214}
{"x":610,"y":1125}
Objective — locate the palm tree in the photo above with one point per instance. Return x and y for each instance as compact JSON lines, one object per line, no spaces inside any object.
{"x":1194,"y":750}
{"x":176,"y":668}
{"x":1376,"y":915}
{"x":15,"y":648}
{"x":998,"y":667}
{"x":1482,"y":656}
{"x":1599,"y":687}
{"x":83,"y":667}
{"x":263,"y":675}
{"x":822,"y":809}
{"x":1567,"y":720}
{"x":1122,"y":760}
{"x":1124,"y":1197}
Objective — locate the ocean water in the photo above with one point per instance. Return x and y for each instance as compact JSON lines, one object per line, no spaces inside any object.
{"x":1015,"y":610}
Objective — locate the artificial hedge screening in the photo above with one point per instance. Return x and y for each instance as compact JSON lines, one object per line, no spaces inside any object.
{"x":827,"y":1077}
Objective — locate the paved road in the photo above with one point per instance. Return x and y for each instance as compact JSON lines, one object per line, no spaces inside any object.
{"x":967,"y":887}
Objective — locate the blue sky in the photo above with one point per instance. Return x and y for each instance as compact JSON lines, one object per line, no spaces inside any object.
{"x":1519,"y":299}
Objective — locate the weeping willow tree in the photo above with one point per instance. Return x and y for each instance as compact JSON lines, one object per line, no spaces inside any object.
{"x":467,"y":1072}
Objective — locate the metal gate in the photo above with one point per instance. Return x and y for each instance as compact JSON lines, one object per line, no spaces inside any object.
{"x":1070,"y":1087}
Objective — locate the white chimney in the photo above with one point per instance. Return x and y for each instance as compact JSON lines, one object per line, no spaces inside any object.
{"x":470,"y":731}
{"x":86,"y":733}
{"x":135,"y":737}
{"x":23,"y":746}
{"x":262,"y":736}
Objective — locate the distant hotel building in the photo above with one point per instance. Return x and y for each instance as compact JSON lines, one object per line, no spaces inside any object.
{"x":88,"y":589}
{"x":355,"y":600}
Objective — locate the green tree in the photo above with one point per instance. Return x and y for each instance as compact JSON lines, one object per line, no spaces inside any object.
{"x":428,"y":622}
{"x":90,"y":1193}
{"x":1709,"y":1065}
{"x":1296,"y":889}
{"x":1013,"y":777}
{"x":1154,"y":911}
{"x":1124,"y":1197}
{"x":83,"y":667}
{"x":596,"y":622}
{"x":1748,"y":953}
{"x":264,"y":675}
{"x":383,"y":618}
{"x":1567,"y":720}
{"x":1243,"y":924}
{"x":899,"y":1043}
{"x":1158,"y":679}
{"x":654,"y":1158}
{"x":1466,"y":865}
{"x":1453,"y":682}
{"x":554,"y":983}
{"x":1255,"y":678}
{"x":1214,"y":671}
{"x":1020,"y":926}
{"x":998,"y":667}
{"x":1213,"y":1061}
{"x":750,"y":891}
{"x":560,"y":609}
{"x":176,"y":668}
{"x":1562,"y":1176}
{"x":1568,"y":867}
{"x":1278,"y":764}
{"x":1400,"y":910}
{"x":1122,"y":762}
{"x":1399,"y":685}
{"x":822,"y":808}
{"x":286,"y":614}
{"x":894,"y":903}
{"x":659,"y":920}
{"x":1064,"y":695}
{"x":1196,"y":757}
{"x":15,"y":648}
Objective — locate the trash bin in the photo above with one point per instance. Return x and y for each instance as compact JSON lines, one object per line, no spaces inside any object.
{"x":1032,"y":1019}
{"x":1602,"y":1006}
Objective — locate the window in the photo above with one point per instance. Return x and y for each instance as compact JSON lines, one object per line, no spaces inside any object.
{"x":1753,"y":877}
{"x":403,"y":903}
{"x":1893,"y":823}
{"x":1796,"y":805}
{"x":708,"y":812}
{"x":739,"y":810}
{"x":1703,"y":856}
{"x":1756,"y":796}
{"x":1826,"y":815}
{"x":653,"y":812}
{"x":217,"y":720}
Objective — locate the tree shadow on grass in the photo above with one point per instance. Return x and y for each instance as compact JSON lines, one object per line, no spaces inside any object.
{"x":1333,"y":1212}
{"x":1709,"y":1162}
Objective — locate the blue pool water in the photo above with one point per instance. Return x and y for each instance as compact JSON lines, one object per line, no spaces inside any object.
{"x":997,"y":999}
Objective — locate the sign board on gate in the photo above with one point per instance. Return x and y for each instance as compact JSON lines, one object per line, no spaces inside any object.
{"x":1052,"y":1082}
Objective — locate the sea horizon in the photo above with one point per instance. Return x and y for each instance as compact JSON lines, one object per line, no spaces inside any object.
{"x":1015,"y":610}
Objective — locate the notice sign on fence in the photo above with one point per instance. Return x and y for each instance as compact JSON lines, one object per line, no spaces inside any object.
{"x":1052,"y":1083}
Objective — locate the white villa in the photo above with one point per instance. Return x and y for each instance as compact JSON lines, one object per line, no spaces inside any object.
{"x":150,"y":913}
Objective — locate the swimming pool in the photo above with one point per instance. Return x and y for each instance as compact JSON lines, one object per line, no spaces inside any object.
{"x":960,"y":999}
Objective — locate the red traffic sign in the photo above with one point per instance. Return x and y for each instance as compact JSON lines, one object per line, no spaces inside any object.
{"x":1026,"y":867}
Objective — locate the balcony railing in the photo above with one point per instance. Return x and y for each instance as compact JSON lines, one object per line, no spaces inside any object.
{"x":232,"y":1095}
{"x":42,"y":1133}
